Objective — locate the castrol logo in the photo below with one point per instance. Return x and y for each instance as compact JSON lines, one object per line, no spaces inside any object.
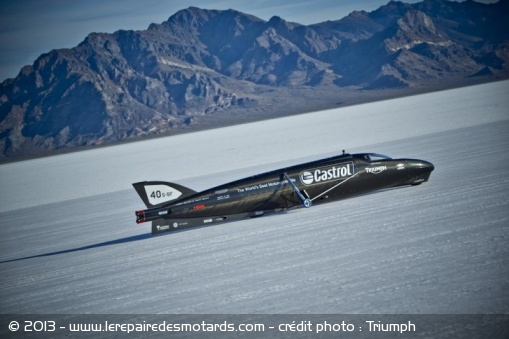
{"x":325,"y":174}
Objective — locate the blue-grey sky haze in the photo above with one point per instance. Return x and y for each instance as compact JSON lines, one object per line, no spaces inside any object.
{"x":29,"y":28}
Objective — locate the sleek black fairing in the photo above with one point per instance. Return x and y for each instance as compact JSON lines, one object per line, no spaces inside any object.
{"x":172,"y":206}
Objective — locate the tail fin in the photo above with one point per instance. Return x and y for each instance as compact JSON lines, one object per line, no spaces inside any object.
{"x":156,"y":193}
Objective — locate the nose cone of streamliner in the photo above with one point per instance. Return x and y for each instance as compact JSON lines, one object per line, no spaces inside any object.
{"x":420,"y":171}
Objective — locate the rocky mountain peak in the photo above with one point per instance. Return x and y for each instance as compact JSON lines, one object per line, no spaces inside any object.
{"x":279,"y":23}
{"x":192,"y":17}
{"x":412,"y":29}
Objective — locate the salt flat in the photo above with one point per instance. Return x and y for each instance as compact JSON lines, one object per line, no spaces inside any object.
{"x":69,"y":243}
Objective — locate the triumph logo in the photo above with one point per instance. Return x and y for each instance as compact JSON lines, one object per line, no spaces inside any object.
{"x":162,"y":228}
{"x":376,"y":170}
{"x":325,"y":174}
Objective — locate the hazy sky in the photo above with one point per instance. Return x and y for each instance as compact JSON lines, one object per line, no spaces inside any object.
{"x":29,"y":28}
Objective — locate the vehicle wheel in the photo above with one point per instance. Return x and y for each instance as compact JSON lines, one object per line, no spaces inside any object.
{"x":307,"y":203}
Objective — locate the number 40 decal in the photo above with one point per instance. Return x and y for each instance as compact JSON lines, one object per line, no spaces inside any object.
{"x":159,"y":194}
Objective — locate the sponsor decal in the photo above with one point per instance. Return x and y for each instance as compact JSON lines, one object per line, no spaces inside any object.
{"x":192,"y":201}
{"x":400,"y":167}
{"x":376,"y":170}
{"x":163,"y":212}
{"x":163,"y":228}
{"x":266,"y":186}
{"x":307,"y":178}
{"x":198,"y":207}
{"x":325,"y":174}
{"x":177,"y":224}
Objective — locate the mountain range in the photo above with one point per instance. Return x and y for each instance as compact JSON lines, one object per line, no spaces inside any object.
{"x":206,"y":68}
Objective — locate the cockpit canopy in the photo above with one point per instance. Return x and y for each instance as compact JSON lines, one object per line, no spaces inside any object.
{"x":373,"y":157}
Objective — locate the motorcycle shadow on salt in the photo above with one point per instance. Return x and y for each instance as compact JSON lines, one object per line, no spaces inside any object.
{"x":124,"y":240}
{"x":83,"y":248}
